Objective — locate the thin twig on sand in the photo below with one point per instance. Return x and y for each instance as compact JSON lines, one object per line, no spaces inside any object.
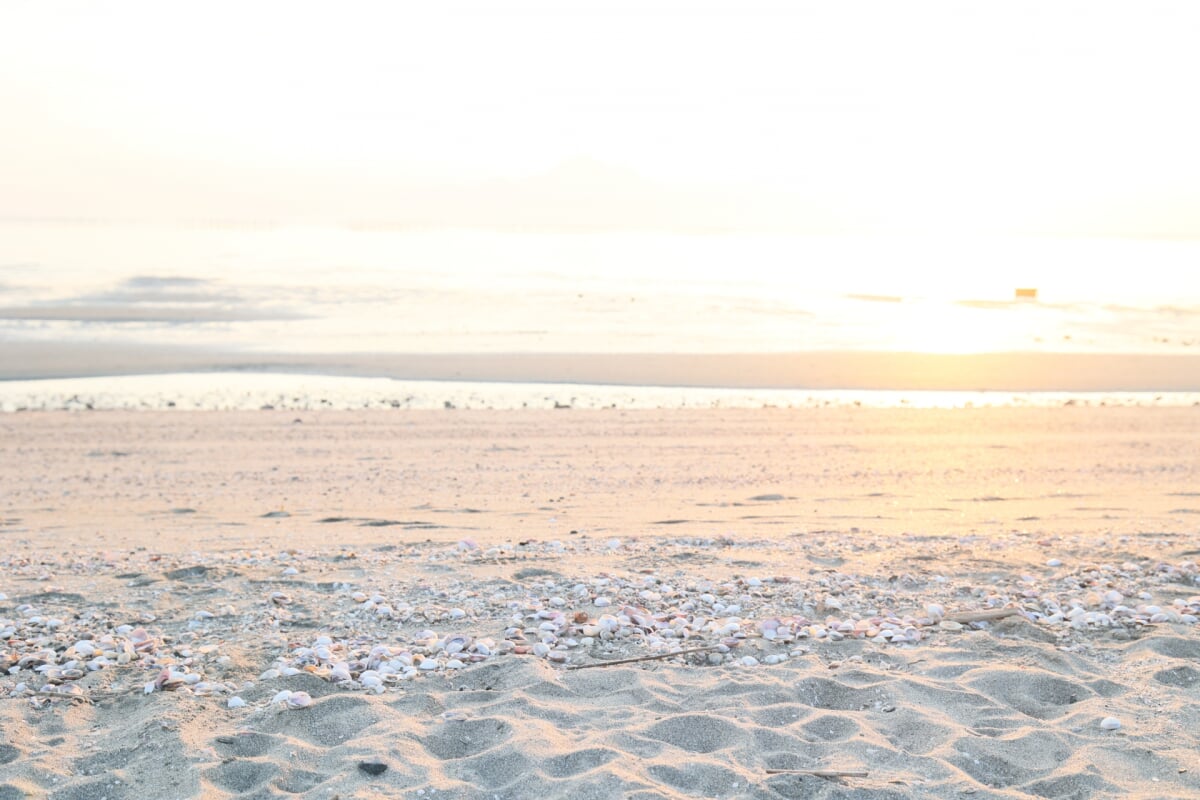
{"x":654,"y":657}
{"x":821,"y":773}
{"x":982,"y":616}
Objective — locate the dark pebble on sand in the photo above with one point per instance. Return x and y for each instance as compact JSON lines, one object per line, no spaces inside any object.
{"x":372,"y":767}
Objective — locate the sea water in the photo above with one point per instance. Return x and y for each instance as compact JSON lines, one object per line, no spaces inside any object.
{"x":339,"y":290}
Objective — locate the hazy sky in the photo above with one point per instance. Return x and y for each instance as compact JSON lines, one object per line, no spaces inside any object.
{"x":1005,"y":117}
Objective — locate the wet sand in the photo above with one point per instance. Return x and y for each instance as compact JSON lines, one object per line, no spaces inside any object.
{"x":821,"y":555}
{"x":814,"y":370}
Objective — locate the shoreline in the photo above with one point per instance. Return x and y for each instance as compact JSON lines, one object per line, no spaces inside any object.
{"x":814,"y":371}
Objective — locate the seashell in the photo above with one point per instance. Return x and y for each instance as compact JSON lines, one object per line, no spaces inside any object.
{"x":279,"y":598}
{"x":281,"y":697}
{"x":601,"y":602}
{"x":454,"y":663}
{"x":299,"y":700}
{"x":236,"y":702}
{"x":291,"y":571}
{"x":1110,"y":723}
{"x":428,"y":665}
{"x":269,"y":675}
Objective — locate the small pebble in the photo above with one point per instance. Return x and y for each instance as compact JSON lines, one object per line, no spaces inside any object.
{"x":1110,"y":723}
{"x":373,"y":767}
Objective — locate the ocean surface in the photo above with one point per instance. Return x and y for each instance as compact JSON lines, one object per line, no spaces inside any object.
{"x":338,"y":290}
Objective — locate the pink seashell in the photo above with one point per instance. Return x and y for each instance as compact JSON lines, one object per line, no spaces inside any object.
{"x":299,"y":700}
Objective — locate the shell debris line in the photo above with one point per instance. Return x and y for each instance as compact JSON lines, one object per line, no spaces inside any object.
{"x":216,"y":626}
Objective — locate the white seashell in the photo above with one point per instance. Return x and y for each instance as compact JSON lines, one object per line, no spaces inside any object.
{"x":291,"y":571}
{"x":236,"y":702}
{"x":602,"y":601}
{"x":270,"y":674}
{"x":454,"y":663}
{"x":288,"y":672}
{"x":1110,"y":723}
{"x":1054,"y":562}
{"x":281,"y":697}
{"x":299,"y":700}
{"x":748,"y":661}
{"x":429,"y":664}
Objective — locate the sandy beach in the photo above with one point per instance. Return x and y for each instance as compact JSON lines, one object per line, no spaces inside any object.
{"x":993,"y":603}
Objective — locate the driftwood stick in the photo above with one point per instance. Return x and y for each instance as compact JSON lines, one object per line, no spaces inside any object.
{"x":981,"y":616}
{"x":654,"y":657}
{"x":821,"y":773}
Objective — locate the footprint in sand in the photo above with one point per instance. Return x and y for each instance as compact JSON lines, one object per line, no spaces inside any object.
{"x":1038,"y":695}
{"x":696,"y":733}
{"x":299,"y":781}
{"x":241,"y":776}
{"x":464,"y":739}
{"x":578,"y":762}
{"x":694,"y":778}
{"x":831,"y":728}
{"x":330,"y":721}
{"x":247,"y":745}
{"x":1181,"y":677}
